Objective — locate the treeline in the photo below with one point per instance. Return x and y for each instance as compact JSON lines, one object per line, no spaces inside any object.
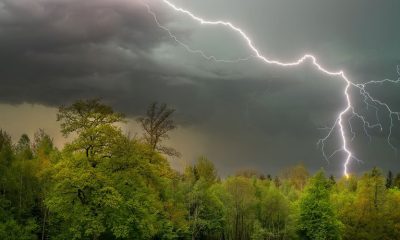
{"x":105,"y":184}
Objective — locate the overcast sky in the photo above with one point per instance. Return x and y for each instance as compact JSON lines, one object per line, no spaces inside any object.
{"x":239,"y":115}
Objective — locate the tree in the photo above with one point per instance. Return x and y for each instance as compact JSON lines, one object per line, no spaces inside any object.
{"x":5,"y":140}
{"x":396,"y":182}
{"x":86,"y":114}
{"x":389,"y":180}
{"x":43,"y":144}
{"x":6,"y":156}
{"x":317,"y":219}
{"x":206,"y":217}
{"x":24,"y":147}
{"x":94,"y":123}
{"x":242,"y":202}
{"x":204,"y":169}
{"x":156,"y":125}
{"x":19,"y":189}
{"x":332,"y":180}
{"x":10,"y":228}
{"x":15,"y":223}
{"x":43,"y":151}
{"x":391,"y":217}
{"x":24,"y":176}
{"x":297,"y":176}
{"x":277,"y":181}
{"x":106,"y":185}
{"x":362,"y":212}
{"x":120,"y":197}
{"x":273,"y":213}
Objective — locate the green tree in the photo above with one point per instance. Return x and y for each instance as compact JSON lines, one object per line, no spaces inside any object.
{"x":23,"y":179}
{"x":18,"y":189}
{"x":44,"y":154}
{"x":391,"y":217}
{"x":107,"y":185}
{"x":274,"y":213}
{"x":6,"y":156}
{"x":206,"y":216}
{"x":242,"y":202}
{"x":317,"y":218}
{"x":94,"y":123}
{"x":362,"y":210}
{"x":396,"y":182}
{"x":389,"y":180}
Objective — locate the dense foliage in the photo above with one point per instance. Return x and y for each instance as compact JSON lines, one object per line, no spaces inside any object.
{"x":107,"y":185}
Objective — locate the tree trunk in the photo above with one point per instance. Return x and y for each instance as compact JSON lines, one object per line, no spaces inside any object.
{"x":44,"y":223}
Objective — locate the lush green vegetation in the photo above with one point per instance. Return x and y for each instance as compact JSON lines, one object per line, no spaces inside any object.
{"x":106,"y":185}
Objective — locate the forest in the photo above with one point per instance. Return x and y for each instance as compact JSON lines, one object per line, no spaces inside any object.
{"x":107,"y":184}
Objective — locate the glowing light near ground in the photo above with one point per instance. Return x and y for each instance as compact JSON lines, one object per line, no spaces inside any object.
{"x":340,"y":122}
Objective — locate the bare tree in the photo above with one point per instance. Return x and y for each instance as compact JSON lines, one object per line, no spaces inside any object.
{"x":156,"y":125}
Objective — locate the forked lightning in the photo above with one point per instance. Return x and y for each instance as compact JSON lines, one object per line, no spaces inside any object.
{"x":342,"y":122}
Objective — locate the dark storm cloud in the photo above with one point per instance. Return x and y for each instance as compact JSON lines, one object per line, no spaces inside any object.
{"x":53,"y":52}
{"x":57,"y":50}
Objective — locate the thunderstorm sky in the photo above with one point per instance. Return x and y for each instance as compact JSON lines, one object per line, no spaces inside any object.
{"x":240,"y":115}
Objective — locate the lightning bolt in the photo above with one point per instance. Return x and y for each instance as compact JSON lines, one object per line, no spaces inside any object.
{"x":370,"y":101}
